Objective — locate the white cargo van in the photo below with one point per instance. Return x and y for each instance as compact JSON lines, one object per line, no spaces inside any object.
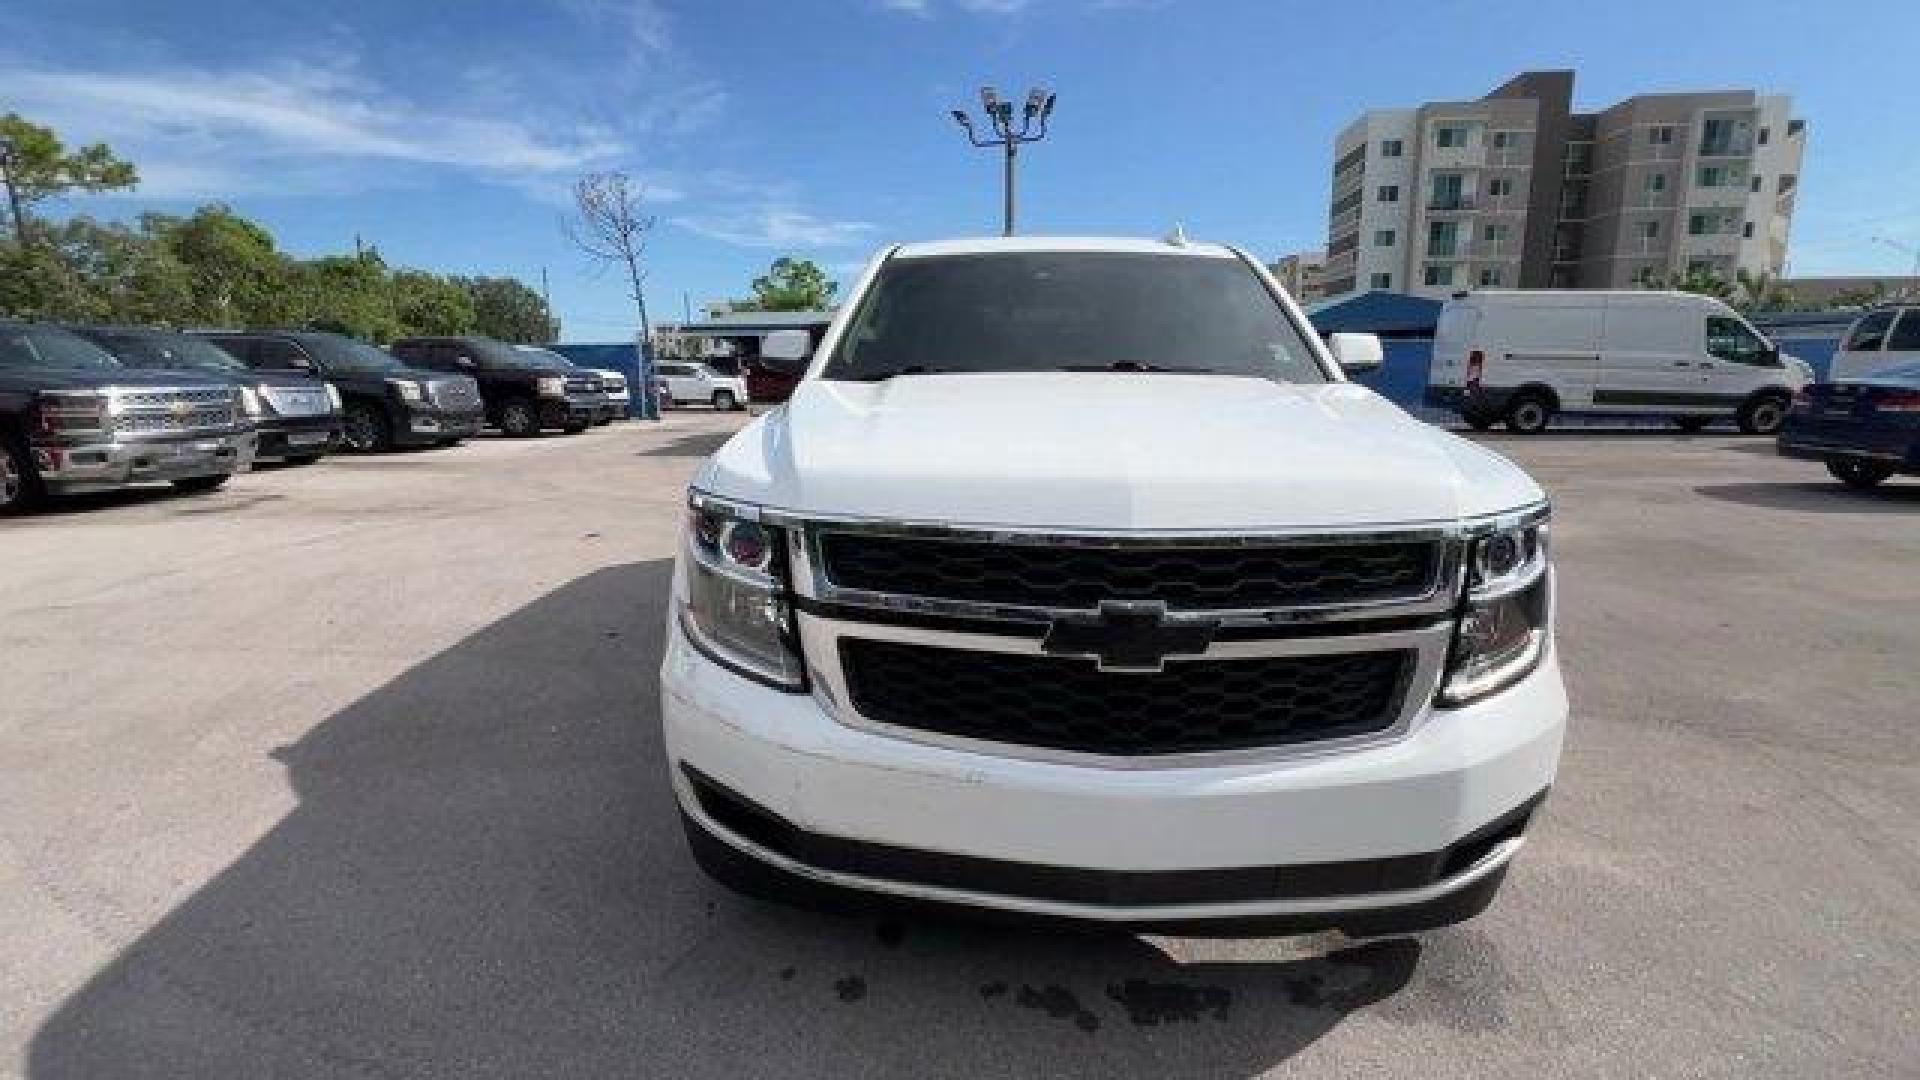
{"x":1523,"y":355}
{"x":1879,"y":338}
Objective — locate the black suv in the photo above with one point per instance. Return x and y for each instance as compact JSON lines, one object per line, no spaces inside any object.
{"x":384,"y":402}
{"x":72,"y":418}
{"x":295,"y":416}
{"x":524,"y":392}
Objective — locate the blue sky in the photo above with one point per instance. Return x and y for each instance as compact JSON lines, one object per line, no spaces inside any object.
{"x":448,"y":133}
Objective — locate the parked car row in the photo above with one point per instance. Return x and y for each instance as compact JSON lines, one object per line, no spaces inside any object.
{"x":92,"y":408}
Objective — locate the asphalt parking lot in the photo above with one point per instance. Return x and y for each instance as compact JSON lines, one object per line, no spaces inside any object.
{"x":355,"y":771}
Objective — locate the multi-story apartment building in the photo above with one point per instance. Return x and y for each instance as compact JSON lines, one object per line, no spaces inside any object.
{"x":1302,"y":275}
{"x":1516,"y":190}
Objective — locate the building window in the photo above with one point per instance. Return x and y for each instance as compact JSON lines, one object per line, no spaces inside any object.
{"x":1643,"y":277}
{"x":1390,"y":148}
{"x":1764,"y":132}
{"x":1450,"y":135}
{"x":1699,"y":225}
{"x":1389,"y":193}
{"x":1500,"y":186}
{"x":1441,"y":239}
{"x":1755,"y":186}
{"x":1650,"y":230}
{"x":1660,"y":134}
{"x":1503,"y":139}
{"x":1711,"y":176}
{"x":1496,"y":231}
{"x":1383,"y":238}
{"x":1656,"y":183}
{"x":1746,"y":230}
{"x":1439,"y":275}
{"x":1489,"y":276}
{"x":1380,"y":281}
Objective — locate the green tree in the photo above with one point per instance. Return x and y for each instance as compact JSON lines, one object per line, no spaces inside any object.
{"x":1763,"y":292}
{"x":426,"y":303}
{"x":506,"y":309}
{"x":350,"y":294}
{"x":35,"y":165}
{"x":794,"y":285}
{"x":238,"y":278}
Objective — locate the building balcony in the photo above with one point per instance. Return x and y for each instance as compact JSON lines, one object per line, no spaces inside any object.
{"x":1451,"y":204}
{"x":1727,"y":148}
{"x":1718,"y":198}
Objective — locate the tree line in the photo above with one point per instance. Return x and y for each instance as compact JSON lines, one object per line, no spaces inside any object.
{"x":216,"y":268}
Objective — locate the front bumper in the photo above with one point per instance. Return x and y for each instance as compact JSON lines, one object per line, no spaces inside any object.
{"x":1410,"y":826}
{"x":108,"y":466}
{"x":297,"y":436}
{"x":574,"y":410}
{"x":426,"y":425}
{"x":1469,"y":400}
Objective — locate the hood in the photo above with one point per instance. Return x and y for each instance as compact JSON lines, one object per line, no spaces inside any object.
{"x":90,"y":378}
{"x":1110,"y":451}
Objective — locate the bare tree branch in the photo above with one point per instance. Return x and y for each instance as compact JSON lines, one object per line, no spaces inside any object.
{"x":610,"y":227}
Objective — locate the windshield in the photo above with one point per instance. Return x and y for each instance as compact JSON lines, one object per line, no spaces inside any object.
{"x":47,"y":347}
{"x":151,"y":350}
{"x":1071,"y":311}
{"x":534,"y":354}
{"x":343,"y":355}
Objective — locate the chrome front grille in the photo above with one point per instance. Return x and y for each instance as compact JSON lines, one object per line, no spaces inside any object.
{"x":454,"y":395}
{"x":583,"y":384}
{"x":178,"y":410}
{"x":297,"y":400}
{"x":1127,"y":650}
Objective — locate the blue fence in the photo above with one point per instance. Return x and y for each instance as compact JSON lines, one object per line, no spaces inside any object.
{"x":625,"y":358}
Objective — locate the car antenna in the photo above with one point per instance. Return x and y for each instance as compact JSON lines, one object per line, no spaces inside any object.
{"x":1178,"y":237}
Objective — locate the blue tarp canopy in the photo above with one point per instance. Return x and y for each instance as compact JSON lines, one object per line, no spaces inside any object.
{"x":1376,"y":311}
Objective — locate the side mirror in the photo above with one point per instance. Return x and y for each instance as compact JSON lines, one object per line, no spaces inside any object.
{"x":786,"y":352}
{"x":1356,"y":354}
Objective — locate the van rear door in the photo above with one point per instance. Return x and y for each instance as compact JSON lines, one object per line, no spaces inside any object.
{"x":1453,"y":339}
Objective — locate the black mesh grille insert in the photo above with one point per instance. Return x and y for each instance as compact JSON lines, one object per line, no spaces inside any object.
{"x":1067,"y":703}
{"x":1189,"y":578}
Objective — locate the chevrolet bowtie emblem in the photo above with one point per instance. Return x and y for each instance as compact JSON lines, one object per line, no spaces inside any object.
{"x":182,"y":408}
{"x":1128,"y":635}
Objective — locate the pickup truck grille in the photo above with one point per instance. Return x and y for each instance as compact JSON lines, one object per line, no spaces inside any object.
{"x":297,"y":400}
{"x":144,"y":412}
{"x":455,"y":395}
{"x":1068,"y":704}
{"x":1081,"y":577}
{"x":588,"y":384}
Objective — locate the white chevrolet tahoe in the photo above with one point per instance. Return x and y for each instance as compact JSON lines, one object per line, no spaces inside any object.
{"x":1076,"y":580}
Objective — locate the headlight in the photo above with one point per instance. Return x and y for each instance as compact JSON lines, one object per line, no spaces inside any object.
{"x":73,"y":413}
{"x":251,"y":403}
{"x":408,"y":390}
{"x":736,"y":610}
{"x":1506,"y":616}
{"x":333,"y":398}
{"x":553,"y":386}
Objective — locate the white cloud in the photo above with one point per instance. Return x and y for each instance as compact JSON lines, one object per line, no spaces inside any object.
{"x":643,"y":23}
{"x":775,"y":227}
{"x":993,"y":7}
{"x":175,"y":121}
{"x":909,"y":7}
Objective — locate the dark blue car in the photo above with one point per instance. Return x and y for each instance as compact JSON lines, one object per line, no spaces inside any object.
{"x":1866,"y":429}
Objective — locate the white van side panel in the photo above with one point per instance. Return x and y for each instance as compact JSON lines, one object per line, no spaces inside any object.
{"x":1652,"y":346}
{"x":1557,"y":346}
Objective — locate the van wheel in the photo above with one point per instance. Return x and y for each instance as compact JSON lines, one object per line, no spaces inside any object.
{"x":1690,"y":424}
{"x":1529,"y":414}
{"x":724,"y":401}
{"x":520,"y":418}
{"x":1762,"y":414}
{"x":20,"y":487}
{"x":1859,"y":474}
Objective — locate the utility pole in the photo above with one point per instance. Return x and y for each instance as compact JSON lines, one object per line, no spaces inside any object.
{"x":1033,"y":128}
{"x":13,"y":193}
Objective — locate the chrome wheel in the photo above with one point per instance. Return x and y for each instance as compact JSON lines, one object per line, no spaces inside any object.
{"x":517,"y":418}
{"x":1763,"y":416}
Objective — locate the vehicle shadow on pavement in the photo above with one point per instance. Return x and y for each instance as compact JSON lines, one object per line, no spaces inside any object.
{"x":695,"y":445}
{"x":484,"y":876}
{"x":1830,"y":497}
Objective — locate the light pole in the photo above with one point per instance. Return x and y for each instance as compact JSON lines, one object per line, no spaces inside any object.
{"x":1904,"y":249}
{"x":1033,"y":128}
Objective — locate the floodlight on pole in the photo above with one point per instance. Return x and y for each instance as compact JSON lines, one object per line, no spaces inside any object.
{"x":999,"y":112}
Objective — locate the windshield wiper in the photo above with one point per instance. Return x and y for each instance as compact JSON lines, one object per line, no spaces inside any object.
{"x":1135,"y":365}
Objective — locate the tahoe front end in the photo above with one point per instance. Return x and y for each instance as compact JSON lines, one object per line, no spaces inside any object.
{"x":1077,"y":581}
